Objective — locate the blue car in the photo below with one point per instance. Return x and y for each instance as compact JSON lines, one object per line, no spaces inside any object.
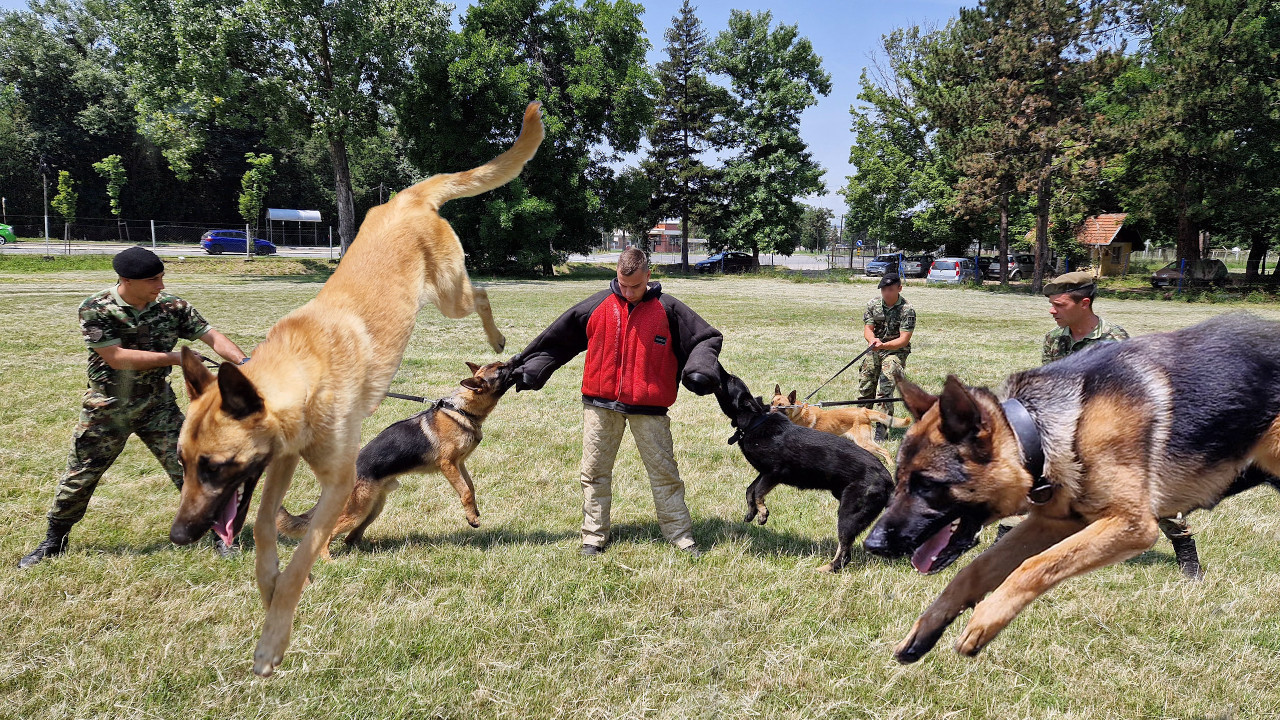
{"x":881,"y":265}
{"x":726,"y":262}
{"x":216,"y":242}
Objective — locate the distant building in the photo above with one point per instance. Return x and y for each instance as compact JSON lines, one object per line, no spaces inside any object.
{"x":1109,"y":241}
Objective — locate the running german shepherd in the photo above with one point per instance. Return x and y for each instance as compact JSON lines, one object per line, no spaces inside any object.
{"x":321,"y":370}
{"x":852,"y":422}
{"x":1096,"y":447}
{"x":783,"y":452}
{"x":439,"y":439}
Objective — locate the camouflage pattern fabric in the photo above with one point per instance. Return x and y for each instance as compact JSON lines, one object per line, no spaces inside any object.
{"x":106,"y":319}
{"x":875,"y":376}
{"x":889,"y":322}
{"x":1058,"y":343}
{"x":104,"y":426}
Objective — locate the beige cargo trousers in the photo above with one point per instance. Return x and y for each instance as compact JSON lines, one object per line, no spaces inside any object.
{"x":601,"y":435}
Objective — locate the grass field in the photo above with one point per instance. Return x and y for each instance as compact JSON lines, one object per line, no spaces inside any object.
{"x":435,"y":619}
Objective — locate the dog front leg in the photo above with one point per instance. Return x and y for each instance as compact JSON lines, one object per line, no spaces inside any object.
{"x":279,"y":477}
{"x":984,"y":574}
{"x":336,"y":485}
{"x":481,"y":299}
{"x":1104,"y":542}
{"x":461,"y":482}
{"x":756,"y":492}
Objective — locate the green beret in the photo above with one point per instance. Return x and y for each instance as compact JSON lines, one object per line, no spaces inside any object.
{"x":1070,"y":282}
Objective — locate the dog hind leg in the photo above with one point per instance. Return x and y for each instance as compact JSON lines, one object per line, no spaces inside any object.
{"x":379,"y":501}
{"x":857,"y":511}
{"x":756,"y":492}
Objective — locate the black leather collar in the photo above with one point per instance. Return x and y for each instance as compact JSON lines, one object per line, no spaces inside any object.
{"x":737,"y":434}
{"x":447,"y":404}
{"x":1028,"y":435}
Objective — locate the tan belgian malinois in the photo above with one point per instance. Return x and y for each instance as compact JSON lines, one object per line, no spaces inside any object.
{"x":321,"y":370}
{"x":438,"y":439}
{"x":851,"y":422}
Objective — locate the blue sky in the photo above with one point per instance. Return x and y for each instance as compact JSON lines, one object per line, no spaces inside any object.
{"x":845,"y":34}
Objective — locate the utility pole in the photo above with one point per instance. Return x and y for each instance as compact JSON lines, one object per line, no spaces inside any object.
{"x":44,"y":174}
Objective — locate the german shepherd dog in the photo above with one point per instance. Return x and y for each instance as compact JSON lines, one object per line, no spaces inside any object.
{"x":439,"y":439}
{"x":783,"y":452}
{"x":321,"y":370}
{"x":1095,"y":447}
{"x":852,"y":422}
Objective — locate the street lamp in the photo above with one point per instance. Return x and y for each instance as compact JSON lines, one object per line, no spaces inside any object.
{"x":44,"y":174}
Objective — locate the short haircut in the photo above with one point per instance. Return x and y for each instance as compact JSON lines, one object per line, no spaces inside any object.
{"x":632,"y":261}
{"x":1088,"y":292}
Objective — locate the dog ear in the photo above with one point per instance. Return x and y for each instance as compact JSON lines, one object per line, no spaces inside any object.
{"x":961,"y":417}
{"x":195,"y":373}
{"x":777,"y":389}
{"x":917,"y":400}
{"x":240,"y":398}
{"x":474,"y":367}
{"x":474,"y":384}
{"x":791,"y":399}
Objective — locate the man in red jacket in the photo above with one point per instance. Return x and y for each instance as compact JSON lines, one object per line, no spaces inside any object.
{"x":640,"y":344}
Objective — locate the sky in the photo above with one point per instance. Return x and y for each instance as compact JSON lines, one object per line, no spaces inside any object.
{"x":844,"y":33}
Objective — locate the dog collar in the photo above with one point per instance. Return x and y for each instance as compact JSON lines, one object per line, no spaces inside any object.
{"x":445,"y":404}
{"x":1028,"y":435}
{"x":737,"y":434}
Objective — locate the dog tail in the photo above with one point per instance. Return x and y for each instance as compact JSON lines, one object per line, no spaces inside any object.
{"x":889,"y":420}
{"x":440,"y":189}
{"x":293,"y":526}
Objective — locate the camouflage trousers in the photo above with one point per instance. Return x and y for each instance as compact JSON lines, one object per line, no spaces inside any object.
{"x":105,"y":424}
{"x":875,"y":376}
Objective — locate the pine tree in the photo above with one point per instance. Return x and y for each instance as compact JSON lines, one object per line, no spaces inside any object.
{"x":687,"y":111}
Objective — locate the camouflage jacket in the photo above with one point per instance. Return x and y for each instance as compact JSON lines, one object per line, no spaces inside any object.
{"x":106,"y":319}
{"x":1058,"y":343}
{"x":889,"y":322}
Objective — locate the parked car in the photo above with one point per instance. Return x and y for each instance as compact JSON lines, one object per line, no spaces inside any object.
{"x":726,"y":262}
{"x":951,"y":271}
{"x":216,"y":242}
{"x":6,"y":234}
{"x":984,"y":263}
{"x":1021,"y":267}
{"x":916,"y":266}
{"x":881,"y":264}
{"x":1199,"y":272}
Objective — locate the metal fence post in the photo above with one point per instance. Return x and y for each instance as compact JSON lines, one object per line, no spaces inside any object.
{"x":153,"y":234}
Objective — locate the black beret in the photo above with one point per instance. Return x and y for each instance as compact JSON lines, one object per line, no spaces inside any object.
{"x":137,"y":263}
{"x":889,"y":279}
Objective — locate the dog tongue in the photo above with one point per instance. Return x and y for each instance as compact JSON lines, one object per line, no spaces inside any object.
{"x":922,"y":559}
{"x":222,"y":525}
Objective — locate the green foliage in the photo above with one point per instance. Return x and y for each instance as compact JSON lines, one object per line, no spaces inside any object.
{"x":586,"y":63}
{"x":64,"y":203}
{"x":774,"y":75}
{"x":254,"y":186}
{"x":816,"y":228}
{"x":111,"y":168}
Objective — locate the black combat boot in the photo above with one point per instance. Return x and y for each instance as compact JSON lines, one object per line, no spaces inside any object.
{"x":55,"y":543}
{"x":1184,"y":548}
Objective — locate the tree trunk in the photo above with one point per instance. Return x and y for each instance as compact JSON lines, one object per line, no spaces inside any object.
{"x":1188,"y":234}
{"x":1257,"y":250}
{"x":342,"y":192}
{"x":1003,"y":256}
{"x":1042,"y":232}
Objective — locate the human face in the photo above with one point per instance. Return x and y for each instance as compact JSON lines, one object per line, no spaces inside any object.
{"x":633,"y":286}
{"x":1067,"y":312}
{"x":142,"y":291}
{"x":889,"y":293}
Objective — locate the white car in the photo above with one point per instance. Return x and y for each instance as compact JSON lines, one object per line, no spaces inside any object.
{"x":951,"y":271}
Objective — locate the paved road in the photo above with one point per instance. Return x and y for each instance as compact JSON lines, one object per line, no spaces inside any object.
{"x":111,"y":248}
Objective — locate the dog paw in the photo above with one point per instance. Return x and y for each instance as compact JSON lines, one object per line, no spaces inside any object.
{"x":751,"y":515}
{"x":973,"y":639}
{"x":764,"y":518}
{"x":917,"y":644}
{"x":828,"y":568}
{"x":265,"y":663}
{"x":475,"y":523}
{"x":498,"y":343}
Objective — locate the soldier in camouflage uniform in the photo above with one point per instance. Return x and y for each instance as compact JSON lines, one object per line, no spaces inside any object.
{"x":887,"y":324}
{"x":131,"y":330}
{"x":1071,"y":299}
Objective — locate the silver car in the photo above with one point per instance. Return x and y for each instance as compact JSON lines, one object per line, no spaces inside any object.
{"x":951,"y":271}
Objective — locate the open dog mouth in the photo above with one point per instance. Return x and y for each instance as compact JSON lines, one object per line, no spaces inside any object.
{"x":954,"y":538}
{"x":229,"y":520}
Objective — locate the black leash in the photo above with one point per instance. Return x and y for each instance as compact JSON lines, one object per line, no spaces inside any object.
{"x":833,"y":377}
{"x":838,"y":403}
{"x":441,"y":404}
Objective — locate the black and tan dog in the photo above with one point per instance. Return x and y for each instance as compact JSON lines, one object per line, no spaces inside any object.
{"x":321,"y":370}
{"x":439,"y":439}
{"x":851,"y":422}
{"x":1096,"y":447}
{"x":783,"y":452}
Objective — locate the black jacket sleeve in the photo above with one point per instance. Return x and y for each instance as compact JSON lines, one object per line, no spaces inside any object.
{"x":697,"y":347}
{"x":555,"y":346}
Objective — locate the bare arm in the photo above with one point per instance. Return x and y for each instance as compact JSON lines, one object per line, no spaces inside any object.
{"x":120,"y":358}
{"x":222,"y":345}
{"x":896,"y":343}
{"x":869,"y":334}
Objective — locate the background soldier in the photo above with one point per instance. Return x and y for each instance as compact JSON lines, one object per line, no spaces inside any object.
{"x":1071,"y":299}
{"x":131,"y":330}
{"x":887,"y":324}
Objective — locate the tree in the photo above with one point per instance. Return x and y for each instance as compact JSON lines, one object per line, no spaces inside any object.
{"x":902,"y":188}
{"x":65,"y":202}
{"x":254,"y":185}
{"x":587,"y":66}
{"x":296,"y":66}
{"x":111,"y":168}
{"x":774,"y":75}
{"x":1203,"y":122}
{"x":1013,"y":107}
{"x":816,"y":228}
{"x":687,"y":111}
